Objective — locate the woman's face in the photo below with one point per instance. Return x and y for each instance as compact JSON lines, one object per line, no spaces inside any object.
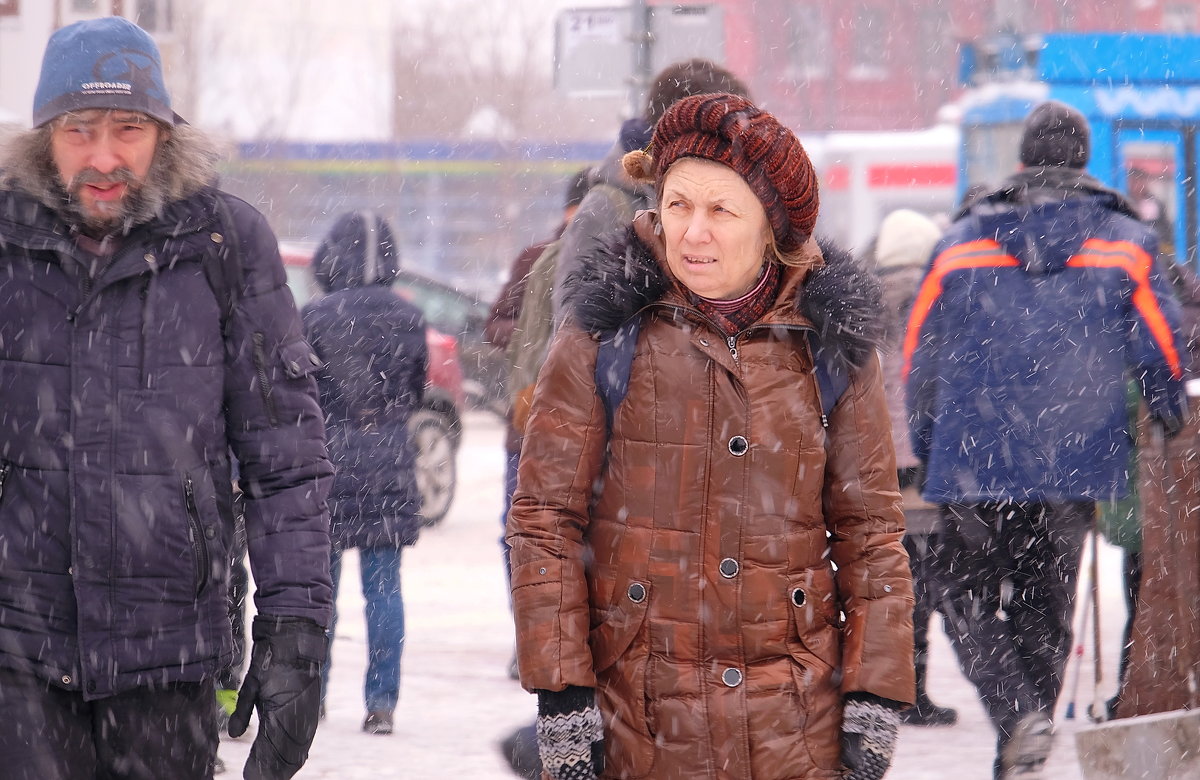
{"x":714,"y":227}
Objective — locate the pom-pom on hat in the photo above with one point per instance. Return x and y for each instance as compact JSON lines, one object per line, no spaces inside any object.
{"x":102,"y":63}
{"x":1056,"y":134}
{"x":731,"y":130}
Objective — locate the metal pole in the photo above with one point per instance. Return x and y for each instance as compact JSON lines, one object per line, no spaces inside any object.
{"x":639,"y":13}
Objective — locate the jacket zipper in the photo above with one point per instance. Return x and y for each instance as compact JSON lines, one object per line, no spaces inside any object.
{"x":5,"y":468}
{"x":731,"y":341}
{"x":264,"y":380}
{"x":144,"y":297}
{"x":196,"y":537}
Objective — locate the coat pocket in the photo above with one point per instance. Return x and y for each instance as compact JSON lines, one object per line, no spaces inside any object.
{"x":613,"y":636}
{"x":814,"y":608}
{"x":620,"y":654}
{"x":201,"y":557}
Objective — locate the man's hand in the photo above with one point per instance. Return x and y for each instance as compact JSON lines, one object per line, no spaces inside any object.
{"x":283,"y":684}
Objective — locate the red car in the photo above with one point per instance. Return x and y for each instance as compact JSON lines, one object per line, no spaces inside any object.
{"x":437,"y":428}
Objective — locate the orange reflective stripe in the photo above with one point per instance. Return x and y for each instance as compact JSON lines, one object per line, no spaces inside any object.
{"x":975,"y":254}
{"x":1135,"y":261}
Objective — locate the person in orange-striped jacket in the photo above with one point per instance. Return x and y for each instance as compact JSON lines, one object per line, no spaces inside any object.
{"x":1039,"y":302}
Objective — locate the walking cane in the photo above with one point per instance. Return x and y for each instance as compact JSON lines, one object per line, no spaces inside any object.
{"x":1078,"y":653}
{"x":1098,"y":711}
{"x":1080,"y":637}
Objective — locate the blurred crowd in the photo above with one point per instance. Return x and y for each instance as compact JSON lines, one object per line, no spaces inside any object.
{"x":746,"y":468}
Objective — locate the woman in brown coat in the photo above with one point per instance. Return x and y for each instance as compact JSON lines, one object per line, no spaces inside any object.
{"x":714,"y":586}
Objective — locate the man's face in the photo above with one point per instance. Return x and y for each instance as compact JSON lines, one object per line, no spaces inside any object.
{"x":102,"y":157}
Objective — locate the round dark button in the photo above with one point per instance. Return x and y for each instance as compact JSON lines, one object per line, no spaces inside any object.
{"x":732,"y":677}
{"x":729,"y":568}
{"x":798,"y":597}
{"x":738,"y":445}
{"x":637,"y":593}
{"x":210,"y":533}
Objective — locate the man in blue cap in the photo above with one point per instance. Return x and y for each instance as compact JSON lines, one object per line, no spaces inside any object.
{"x":146,"y":334}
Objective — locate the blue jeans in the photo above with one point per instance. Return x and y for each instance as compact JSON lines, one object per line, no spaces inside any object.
{"x":511,"y":459}
{"x":384,"y":610}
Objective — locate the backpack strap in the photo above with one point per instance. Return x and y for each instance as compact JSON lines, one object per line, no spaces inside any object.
{"x":832,"y":378}
{"x":223,"y":268}
{"x":614,"y":361}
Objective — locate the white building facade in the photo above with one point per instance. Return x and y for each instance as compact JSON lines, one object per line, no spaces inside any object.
{"x":304,"y":70}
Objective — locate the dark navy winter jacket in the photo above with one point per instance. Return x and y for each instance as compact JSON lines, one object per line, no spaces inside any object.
{"x":374,"y":360}
{"x":1032,"y":315}
{"x":119,"y":404}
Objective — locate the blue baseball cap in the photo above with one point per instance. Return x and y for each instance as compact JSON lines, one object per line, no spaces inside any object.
{"x":102,"y":63}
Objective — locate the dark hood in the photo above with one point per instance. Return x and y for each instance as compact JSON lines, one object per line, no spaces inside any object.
{"x":359,"y":251}
{"x":1046,"y":184}
{"x":839,"y":298}
{"x":1041,"y":216}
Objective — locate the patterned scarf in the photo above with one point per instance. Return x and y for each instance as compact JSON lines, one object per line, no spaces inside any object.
{"x":736,"y":315}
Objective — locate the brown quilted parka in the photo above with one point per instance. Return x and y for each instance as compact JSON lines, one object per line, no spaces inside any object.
{"x":722,"y":569}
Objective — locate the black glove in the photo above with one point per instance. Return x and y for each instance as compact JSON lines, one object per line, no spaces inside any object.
{"x":284,"y":684}
{"x":869,"y":728}
{"x":570,"y":734}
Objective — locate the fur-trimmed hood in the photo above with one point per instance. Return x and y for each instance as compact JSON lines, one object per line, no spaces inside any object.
{"x":185,"y":163}
{"x":838,"y":298}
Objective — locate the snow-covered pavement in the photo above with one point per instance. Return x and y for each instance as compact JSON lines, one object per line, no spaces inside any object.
{"x":457,"y":702}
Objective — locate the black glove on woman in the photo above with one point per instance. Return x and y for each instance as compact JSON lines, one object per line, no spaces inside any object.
{"x":570,"y":734}
{"x":284,"y":684}
{"x":869,"y":729}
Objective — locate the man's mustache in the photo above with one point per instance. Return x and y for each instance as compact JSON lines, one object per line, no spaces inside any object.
{"x":93,"y":176}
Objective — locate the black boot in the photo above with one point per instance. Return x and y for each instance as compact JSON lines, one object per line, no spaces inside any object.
{"x":520,"y":749}
{"x":924,"y":712}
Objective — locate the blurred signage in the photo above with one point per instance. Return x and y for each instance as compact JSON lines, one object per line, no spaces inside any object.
{"x":593,"y":47}
{"x":681,"y":32}
{"x":592,"y":53}
{"x":10,"y":7}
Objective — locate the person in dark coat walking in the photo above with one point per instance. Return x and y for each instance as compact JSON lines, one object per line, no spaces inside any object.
{"x":1040,"y":300}
{"x":899,"y":256}
{"x":374,"y":359}
{"x":146,"y":333}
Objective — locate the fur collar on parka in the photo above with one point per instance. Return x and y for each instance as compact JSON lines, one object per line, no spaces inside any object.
{"x":184,"y":164}
{"x":839,"y":298}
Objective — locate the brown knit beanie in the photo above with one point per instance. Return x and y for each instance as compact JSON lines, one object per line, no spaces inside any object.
{"x":730,"y":130}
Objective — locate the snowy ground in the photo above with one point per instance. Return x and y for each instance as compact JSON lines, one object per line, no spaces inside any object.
{"x":457,"y":701}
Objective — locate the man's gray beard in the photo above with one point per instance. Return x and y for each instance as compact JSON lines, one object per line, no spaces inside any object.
{"x":143,"y":201}
{"x":184,"y":162}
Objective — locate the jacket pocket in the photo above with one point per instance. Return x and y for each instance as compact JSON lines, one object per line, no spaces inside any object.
{"x":201,"y":556}
{"x":620,"y":657}
{"x":296,"y":359}
{"x":814,"y":608}
{"x":5,"y":469}
{"x":612,"y":637}
{"x":265,"y":386}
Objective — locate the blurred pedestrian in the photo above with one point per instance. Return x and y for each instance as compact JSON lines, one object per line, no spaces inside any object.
{"x":1151,"y":209}
{"x":498,"y":331}
{"x":1162,"y":658}
{"x":677,"y":605}
{"x":613,"y":198}
{"x":1040,"y":299}
{"x":901,"y":253}
{"x":147,"y":332}
{"x":374,"y":360}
